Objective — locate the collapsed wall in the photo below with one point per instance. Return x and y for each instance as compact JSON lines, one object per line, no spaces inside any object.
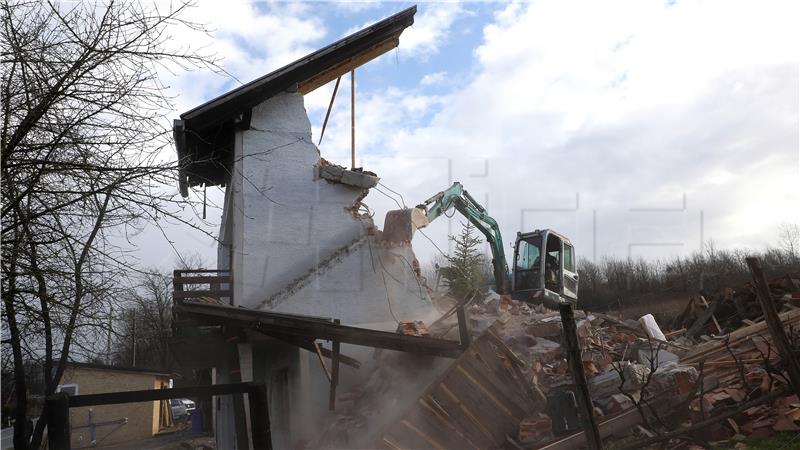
{"x":295,"y":236}
{"x":297,"y":239}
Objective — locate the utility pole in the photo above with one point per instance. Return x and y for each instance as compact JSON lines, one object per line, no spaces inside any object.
{"x":133,"y":364}
{"x":108,"y":336}
{"x":353,"y":119}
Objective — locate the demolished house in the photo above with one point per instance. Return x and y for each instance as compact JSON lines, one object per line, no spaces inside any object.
{"x":297,"y":249}
{"x":331,"y":314}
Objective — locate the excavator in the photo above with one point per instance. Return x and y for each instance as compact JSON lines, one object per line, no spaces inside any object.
{"x":544,"y":272}
{"x":544,"y":260}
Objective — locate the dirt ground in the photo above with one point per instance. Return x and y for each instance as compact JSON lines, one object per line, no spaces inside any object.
{"x":663,"y":308}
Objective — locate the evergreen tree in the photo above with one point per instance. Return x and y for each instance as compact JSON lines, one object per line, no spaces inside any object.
{"x":466,"y":273}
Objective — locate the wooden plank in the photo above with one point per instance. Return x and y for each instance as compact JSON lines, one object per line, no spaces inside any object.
{"x":492,"y":392}
{"x":334,"y":375}
{"x":575,"y":361}
{"x":463,"y":326}
{"x":322,"y":362}
{"x":460,"y":417}
{"x":201,"y":280}
{"x":701,"y":321}
{"x":404,"y":438}
{"x":477,"y":407}
{"x":442,"y":422}
{"x":513,"y":384}
{"x":474,"y":404}
{"x":426,"y":435}
{"x":703,"y":350}
{"x":313,"y":327}
{"x":307,"y":344}
{"x":57,"y":415}
{"x":499,"y":383}
{"x":713,"y":317}
{"x":182,"y":271}
{"x":259,"y":417}
{"x":214,"y":293}
{"x":346,"y":66}
{"x":616,"y":425}
{"x":774,"y":324}
{"x":149,"y":395}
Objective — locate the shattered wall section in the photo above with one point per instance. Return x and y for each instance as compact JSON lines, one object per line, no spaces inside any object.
{"x":292,"y":238}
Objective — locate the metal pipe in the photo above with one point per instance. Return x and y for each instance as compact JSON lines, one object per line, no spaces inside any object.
{"x":330,"y":107}
{"x":353,"y":119}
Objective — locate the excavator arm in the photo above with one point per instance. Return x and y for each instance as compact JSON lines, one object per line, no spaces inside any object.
{"x":456,"y":197}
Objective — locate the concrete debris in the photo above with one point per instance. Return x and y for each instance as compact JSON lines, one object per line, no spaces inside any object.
{"x":337,"y":174}
{"x":399,"y":225}
{"x":650,"y":326}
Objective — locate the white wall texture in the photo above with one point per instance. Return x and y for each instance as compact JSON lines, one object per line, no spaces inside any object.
{"x":296,"y":246}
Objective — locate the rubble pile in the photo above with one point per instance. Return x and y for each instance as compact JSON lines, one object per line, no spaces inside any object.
{"x":662,"y":379}
{"x":645,"y":382}
{"x":728,"y":310}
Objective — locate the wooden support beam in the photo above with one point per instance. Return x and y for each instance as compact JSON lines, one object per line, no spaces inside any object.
{"x":701,"y":321}
{"x":259,"y":417}
{"x":334,"y":373}
{"x":463,"y":326}
{"x":713,"y":317}
{"x":200,"y":280}
{"x":311,"y":327}
{"x":774,"y":324}
{"x":346,"y":66}
{"x":322,"y":362}
{"x":214,"y":293}
{"x":149,"y":395}
{"x":579,"y":377}
{"x":306,"y":344}
{"x":239,"y":422}
{"x":57,"y":414}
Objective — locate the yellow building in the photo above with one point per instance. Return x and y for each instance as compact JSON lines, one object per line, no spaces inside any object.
{"x":104,"y":425}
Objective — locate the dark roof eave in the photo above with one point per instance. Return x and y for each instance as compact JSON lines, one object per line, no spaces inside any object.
{"x":228,"y":105}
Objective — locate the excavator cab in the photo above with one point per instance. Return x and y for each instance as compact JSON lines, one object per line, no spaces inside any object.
{"x":544,"y":268}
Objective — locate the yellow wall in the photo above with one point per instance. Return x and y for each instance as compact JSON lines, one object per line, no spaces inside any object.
{"x":142,"y":417}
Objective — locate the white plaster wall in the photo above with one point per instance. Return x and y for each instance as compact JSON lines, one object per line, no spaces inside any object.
{"x":372,"y":286}
{"x":290,"y":229}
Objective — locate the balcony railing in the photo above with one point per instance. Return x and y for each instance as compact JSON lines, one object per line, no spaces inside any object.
{"x":206,"y":285}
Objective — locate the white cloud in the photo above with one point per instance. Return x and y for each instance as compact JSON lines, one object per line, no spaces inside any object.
{"x":431,"y":27}
{"x":251,"y":39}
{"x":433,"y":78}
{"x":630,"y":106}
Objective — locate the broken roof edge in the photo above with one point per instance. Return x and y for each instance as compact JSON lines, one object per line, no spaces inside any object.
{"x":203,"y":134}
{"x":362,"y":42}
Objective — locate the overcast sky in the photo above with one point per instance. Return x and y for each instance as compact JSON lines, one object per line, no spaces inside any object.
{"x":636,"y":128}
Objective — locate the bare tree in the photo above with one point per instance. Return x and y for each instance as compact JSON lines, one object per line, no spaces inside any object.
{"x":82,"y":133}
{"x":789,"y":240}
{"x":144,"y":328}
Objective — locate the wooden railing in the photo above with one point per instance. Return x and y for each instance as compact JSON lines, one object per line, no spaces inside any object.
{"x":203,"y":284}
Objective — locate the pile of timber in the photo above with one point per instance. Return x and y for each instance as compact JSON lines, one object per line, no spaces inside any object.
{"x":731,"y":309}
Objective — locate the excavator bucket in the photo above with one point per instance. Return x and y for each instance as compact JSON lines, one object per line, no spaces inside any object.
{"x":400,"y":224}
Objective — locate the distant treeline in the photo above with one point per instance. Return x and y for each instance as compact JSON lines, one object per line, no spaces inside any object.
{"x":613,"y":282}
